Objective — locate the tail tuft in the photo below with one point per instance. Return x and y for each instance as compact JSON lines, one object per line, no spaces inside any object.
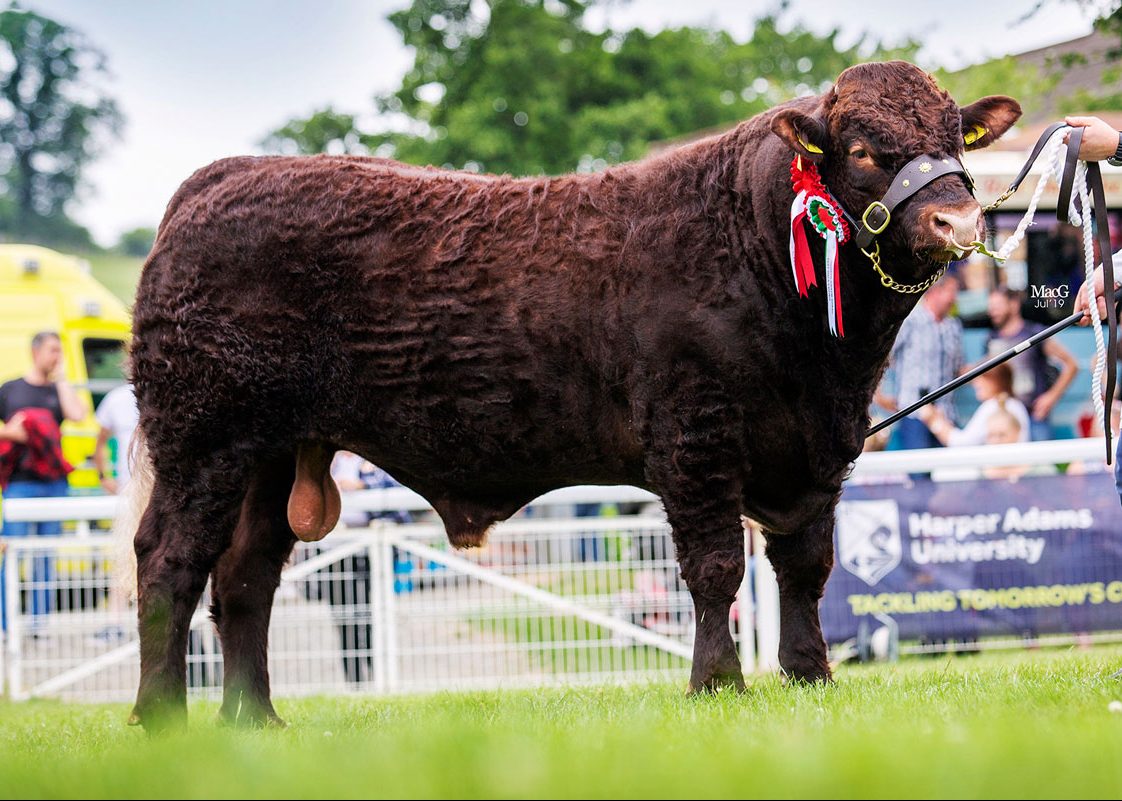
{"x":130,"y":508}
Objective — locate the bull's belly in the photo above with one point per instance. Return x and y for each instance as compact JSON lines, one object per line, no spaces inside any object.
{"x":475,"y":481}
{"x":499,"y":443}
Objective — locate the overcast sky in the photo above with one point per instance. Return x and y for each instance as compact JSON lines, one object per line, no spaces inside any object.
{"x":209,"y":78}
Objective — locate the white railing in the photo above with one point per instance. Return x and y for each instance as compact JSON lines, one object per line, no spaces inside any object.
{"x":1019,"y":453}
{"x":383,"y":609}
{"x":391,"y":608}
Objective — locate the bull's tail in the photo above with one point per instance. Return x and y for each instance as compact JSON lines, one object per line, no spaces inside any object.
{"x":131,"y":507}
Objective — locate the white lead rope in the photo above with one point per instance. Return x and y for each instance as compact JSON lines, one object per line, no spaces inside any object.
{"x":1053,"y":158}
{"x":1088,"y":287}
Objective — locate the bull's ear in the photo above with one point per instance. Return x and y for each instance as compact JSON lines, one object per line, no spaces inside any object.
{"x":804,"y":134}
{"x":985,"y":120}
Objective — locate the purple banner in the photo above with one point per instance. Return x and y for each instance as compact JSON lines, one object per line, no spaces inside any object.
{"x":963,"y":559}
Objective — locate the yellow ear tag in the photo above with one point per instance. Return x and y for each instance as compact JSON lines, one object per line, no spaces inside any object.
{"x":810,"y":148}
{"x":973,"y":136}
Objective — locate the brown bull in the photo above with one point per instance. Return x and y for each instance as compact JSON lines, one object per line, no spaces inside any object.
{"x":488,"y":338}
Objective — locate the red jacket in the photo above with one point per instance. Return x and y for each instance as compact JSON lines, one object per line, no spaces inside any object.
{"x":41,"y":454}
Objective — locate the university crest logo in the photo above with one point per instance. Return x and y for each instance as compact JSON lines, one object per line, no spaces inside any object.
{"x":869,"y":543}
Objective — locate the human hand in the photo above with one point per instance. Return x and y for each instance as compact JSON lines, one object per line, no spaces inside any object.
{"x":1100,"y":140}
{"x":109,"y":484}
{"x":1043,"y":405}
{"x":1081,"y":295}
{"x":14,"y":430}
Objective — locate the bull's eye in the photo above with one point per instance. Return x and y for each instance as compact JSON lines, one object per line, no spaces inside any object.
{"x":860,"y":153}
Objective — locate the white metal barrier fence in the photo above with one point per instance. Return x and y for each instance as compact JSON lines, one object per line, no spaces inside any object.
{"x":391,"y":608}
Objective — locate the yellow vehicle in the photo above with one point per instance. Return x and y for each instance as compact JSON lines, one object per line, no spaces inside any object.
{"x":43,"y":290}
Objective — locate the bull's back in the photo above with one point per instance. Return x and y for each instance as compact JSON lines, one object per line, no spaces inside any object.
{"x":384,"y":308}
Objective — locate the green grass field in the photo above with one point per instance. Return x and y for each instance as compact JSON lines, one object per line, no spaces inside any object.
{"x":1020,"y":725}
{"x":118,"y":273}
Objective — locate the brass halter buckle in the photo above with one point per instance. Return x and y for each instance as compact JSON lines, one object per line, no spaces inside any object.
{"x":865,"y":218}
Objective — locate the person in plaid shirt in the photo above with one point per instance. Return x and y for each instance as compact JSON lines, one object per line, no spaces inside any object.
{"x":33,"y":466}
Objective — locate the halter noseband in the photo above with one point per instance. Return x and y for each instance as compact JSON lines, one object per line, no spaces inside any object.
{"x":913,"y":176}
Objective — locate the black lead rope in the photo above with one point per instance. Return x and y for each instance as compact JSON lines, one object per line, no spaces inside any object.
{"x":1102,"y":225}
{"x":1098,"y":197}
{"x":985,"y":367}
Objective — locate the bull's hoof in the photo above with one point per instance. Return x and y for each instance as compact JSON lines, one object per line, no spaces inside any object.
{"x":251,"y":716}
{"x":161,"y":719}
{"x":808,"y":673}
{"x":716,"y":682}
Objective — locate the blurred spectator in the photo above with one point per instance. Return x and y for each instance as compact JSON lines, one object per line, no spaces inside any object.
{"x":117,"y":416}
{"x":374,"y":477}
{"x":345,"y":584}
{"x":1003,"y":428}
{"x":346,"y":469}
{"x":33,"y":461}
{"x":927,"y":354}
{"x":995,"y":393}
{"x":1031,"y":383}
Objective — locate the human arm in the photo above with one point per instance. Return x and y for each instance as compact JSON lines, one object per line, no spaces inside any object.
{"x":73,"y":407}
{"x":945,"y":431}
{"x":101,"y":461}
{"x":885,"y":401}
{"x":1054,"y":351}
{"x":937,"y":423}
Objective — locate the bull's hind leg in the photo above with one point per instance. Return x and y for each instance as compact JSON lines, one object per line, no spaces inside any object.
{"x":802,"y":563}
{"x":694,"y":470}
{"x":179,"y":540}
{"x":244,"y":583}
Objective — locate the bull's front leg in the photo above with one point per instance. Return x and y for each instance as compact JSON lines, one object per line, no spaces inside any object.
{"x":695,"y":468}
{"x":802,"y":563}
{"x":710,"y":544}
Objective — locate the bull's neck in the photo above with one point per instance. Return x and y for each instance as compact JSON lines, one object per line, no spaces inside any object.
{"x":872,"y":313}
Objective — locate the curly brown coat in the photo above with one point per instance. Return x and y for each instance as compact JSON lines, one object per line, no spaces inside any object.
{"x":487,"y":338}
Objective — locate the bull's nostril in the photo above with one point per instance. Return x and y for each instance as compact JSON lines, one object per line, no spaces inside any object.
{"x":959,"y":229}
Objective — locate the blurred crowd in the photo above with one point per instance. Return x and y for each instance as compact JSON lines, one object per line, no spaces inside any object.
{"x":1015,"y":400}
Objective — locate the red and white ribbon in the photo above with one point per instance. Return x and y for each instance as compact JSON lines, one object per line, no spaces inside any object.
{"x":813,"y":204}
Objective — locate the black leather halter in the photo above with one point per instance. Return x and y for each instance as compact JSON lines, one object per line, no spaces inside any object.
{"x":914,"y":175}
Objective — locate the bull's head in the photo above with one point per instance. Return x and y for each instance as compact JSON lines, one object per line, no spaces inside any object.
{"x":876,"y":119}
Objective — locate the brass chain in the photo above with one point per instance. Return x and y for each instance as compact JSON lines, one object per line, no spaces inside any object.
{"x":888,"y":281}
{"x":1008,"y":193}
{"x":911,"y":289}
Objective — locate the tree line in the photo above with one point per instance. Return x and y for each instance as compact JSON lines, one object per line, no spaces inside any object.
{"x":516,"y":86}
